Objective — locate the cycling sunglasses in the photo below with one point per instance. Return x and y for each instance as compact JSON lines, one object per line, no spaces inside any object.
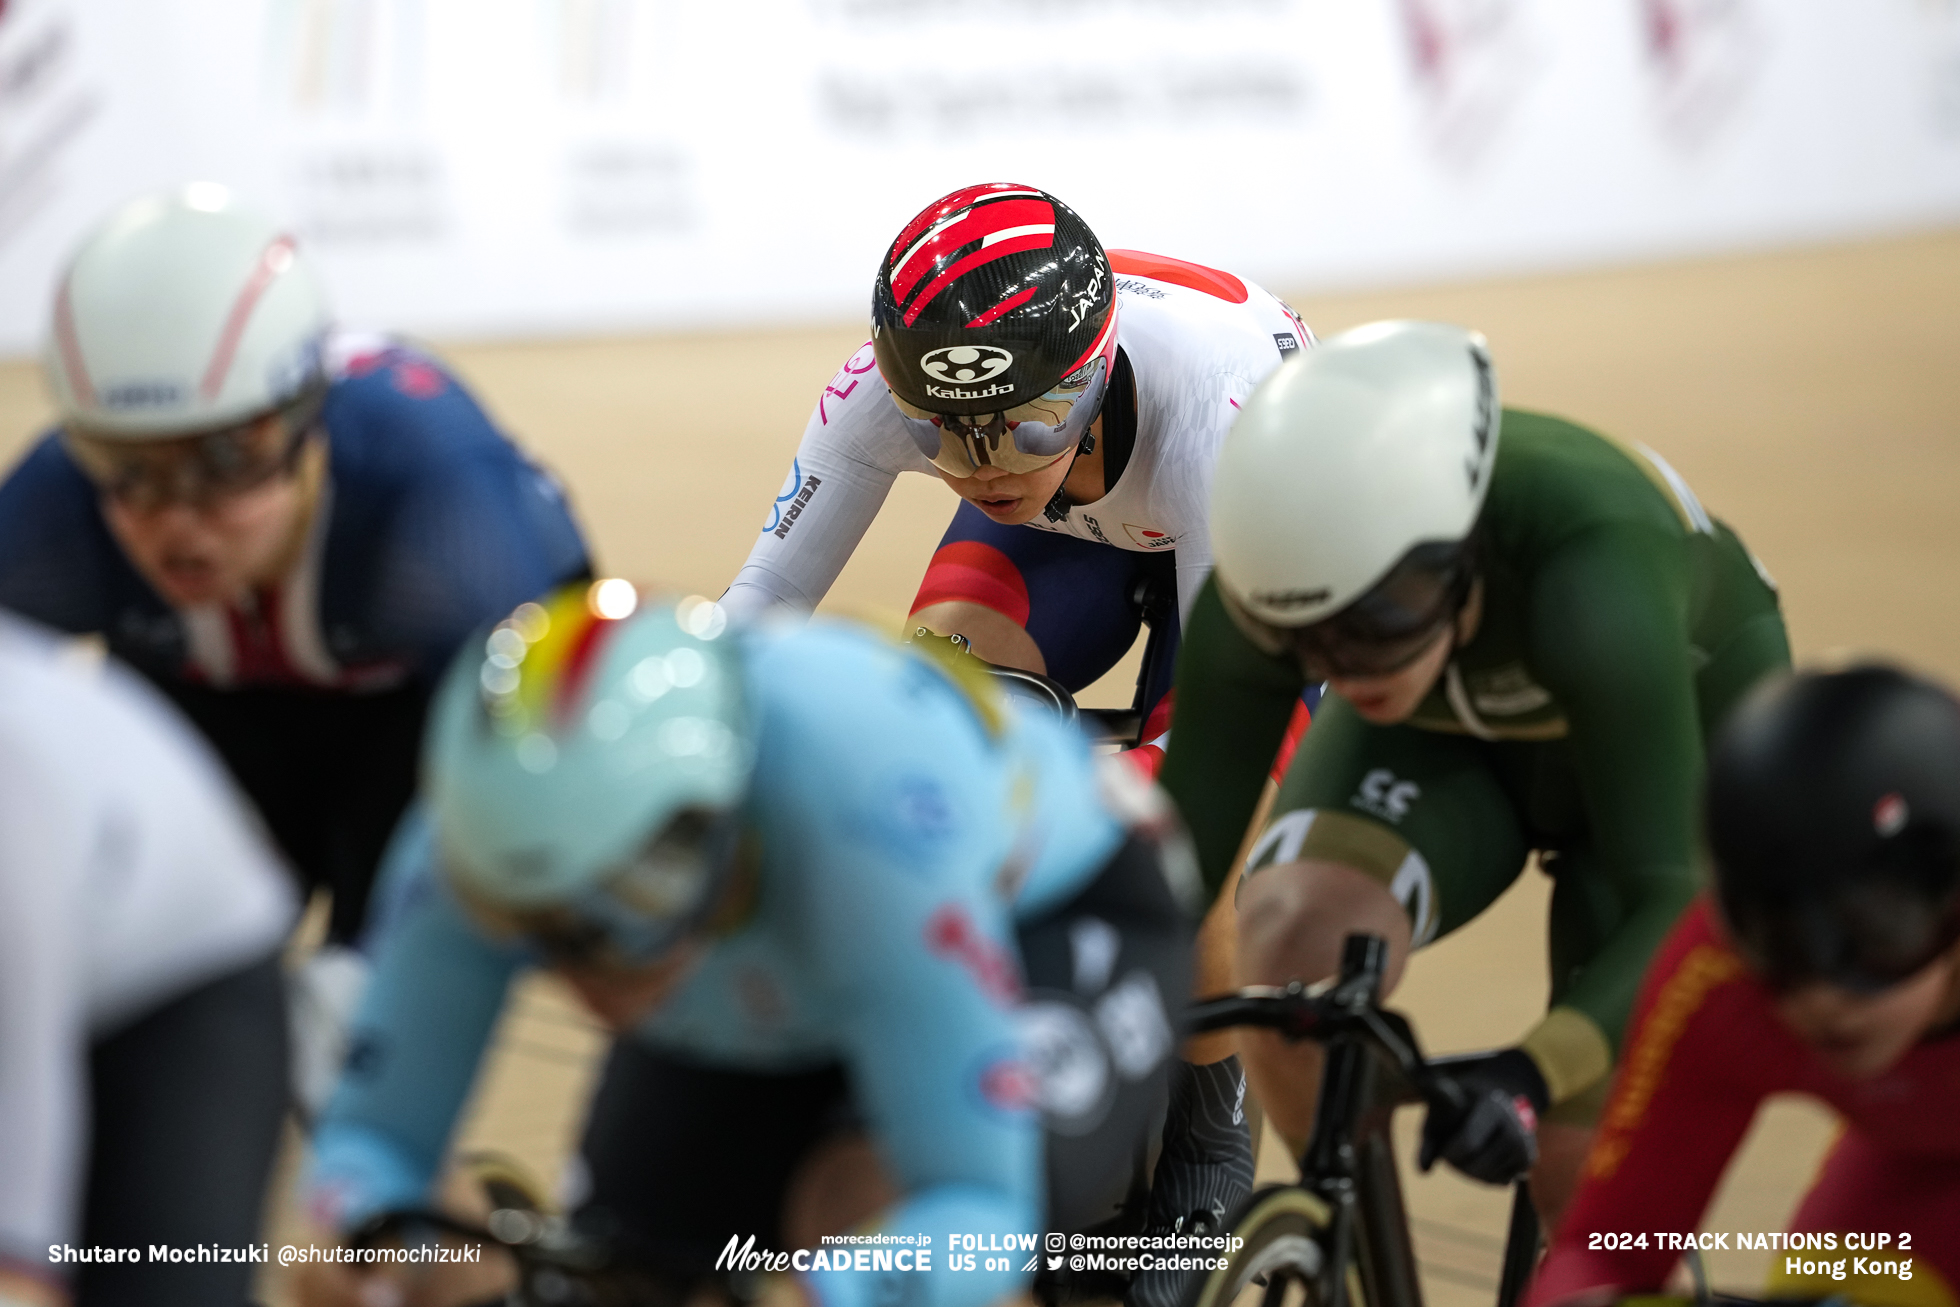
{"x":201,"y":468}
{"x":1024,"y":438}
{"x":1385,"y":630}
{"x":1866,"y":940}
{"x":634,"y":914}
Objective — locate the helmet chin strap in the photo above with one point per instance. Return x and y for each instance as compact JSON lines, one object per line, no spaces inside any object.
{"x":1059,"y":503}
{"x":1469,"y":616}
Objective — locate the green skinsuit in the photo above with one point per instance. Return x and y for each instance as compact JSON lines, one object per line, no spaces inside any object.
{"x":1619,"y":625}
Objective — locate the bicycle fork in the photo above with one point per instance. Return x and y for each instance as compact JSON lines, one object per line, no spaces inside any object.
{"x":1350,"y":1159}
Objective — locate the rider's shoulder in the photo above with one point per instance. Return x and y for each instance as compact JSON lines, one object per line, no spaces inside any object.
{"x":1158,"y":284}
{"x":45,"y":490}
{"x":1697,"y":969}
{"x":854,"y":406}
{"x":827,"y":664}
{"x":53,"y":676}
{"x":1535,"y":433}
{"x":843,"y":695}
{"x":388,"y":390}
{"x":400,"y":423}
{"x":1557,"y":478}
{"x":818,"y":649}
{"x":114,"y":729}
{"x":1177,"y":314}
{"x":31,"y":654}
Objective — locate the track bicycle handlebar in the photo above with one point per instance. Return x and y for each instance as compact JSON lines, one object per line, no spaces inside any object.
{"x":1345,"y":1009}
{"x":555,"y":1264}
{"x":1118,"y":726}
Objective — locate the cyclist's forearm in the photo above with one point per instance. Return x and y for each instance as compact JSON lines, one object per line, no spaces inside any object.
{"x":1233,"y":705}
{"x":1605,"y":987}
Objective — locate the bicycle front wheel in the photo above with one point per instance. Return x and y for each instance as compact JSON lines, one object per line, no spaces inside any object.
{"x":1282,"y":1261}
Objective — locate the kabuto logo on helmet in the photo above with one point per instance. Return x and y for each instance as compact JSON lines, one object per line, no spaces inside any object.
{"x":965,"y":363}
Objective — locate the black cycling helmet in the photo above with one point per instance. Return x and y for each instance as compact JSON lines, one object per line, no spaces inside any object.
{"x":1833,"y":816}
{"x":994,"y":323}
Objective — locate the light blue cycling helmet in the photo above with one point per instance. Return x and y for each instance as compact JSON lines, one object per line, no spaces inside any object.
{"x":584,"y":767}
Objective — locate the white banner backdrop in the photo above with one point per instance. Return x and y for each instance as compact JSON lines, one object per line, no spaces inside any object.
{"x":486,"y":167}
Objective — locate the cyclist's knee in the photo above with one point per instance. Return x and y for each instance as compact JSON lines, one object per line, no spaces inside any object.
{"x":995,"y":636}
{"x":1295,"y":917}
{"x":840,"y":1184}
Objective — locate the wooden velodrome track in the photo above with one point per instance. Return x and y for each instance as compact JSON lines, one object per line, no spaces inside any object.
{"x":1812,"y":399}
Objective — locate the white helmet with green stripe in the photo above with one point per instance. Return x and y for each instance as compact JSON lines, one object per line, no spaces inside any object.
{"x":1346,"y":494}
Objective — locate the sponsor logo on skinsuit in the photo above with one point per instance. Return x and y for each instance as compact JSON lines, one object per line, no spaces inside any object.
{"x":1385,"y":796}
{"x":795,"y":509}
{"x":1008,"y":1084}
{"x":952,"y":933}
{"x":1287,"y":341}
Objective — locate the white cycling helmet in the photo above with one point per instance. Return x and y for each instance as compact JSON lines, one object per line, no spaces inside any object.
{"x":184,"y":312}
{"x":1345,"y":496}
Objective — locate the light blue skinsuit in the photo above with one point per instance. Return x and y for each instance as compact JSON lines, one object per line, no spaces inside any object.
{"x":892,"y":821}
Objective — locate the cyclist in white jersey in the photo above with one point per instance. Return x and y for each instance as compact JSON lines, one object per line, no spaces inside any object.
{"x":1079,"y":392}
{"x":142,"y":1021}
{"x":1138,"y":396}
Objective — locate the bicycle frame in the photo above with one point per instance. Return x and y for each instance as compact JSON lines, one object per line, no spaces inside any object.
{"x":1373,"y":1066}
{"x":1349,"y":1161}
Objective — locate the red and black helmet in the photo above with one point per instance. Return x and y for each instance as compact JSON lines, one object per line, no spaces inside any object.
{"x":992,"y":299}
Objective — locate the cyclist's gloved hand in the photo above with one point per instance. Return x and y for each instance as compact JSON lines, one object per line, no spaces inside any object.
{"x":1494,"y":1136}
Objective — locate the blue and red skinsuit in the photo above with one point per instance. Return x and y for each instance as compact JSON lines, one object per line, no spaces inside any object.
{"x":430,"y":524}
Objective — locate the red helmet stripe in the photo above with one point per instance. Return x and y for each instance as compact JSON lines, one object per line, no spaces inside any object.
{"x":72,"y":360}
{"x":1008,"y":305}
{"x":1105,"y":343}
{"x":948,"y":205}
{"x":576,"y":669}
{"x":273,"y":260}
{"x":1037,"y":238}
{"x":986,"y":223}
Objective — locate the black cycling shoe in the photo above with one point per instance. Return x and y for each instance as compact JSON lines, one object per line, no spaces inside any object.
{"x":1160,"y":1288}
{"x":1205,"y":1171}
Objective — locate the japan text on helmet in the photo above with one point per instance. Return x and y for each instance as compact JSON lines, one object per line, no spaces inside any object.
{"x":1833,"y":819}
{"x":584,"y":766}
{"x":1346,"y":495}
{"x":994,"y":323}
{"x":184,"y":312}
